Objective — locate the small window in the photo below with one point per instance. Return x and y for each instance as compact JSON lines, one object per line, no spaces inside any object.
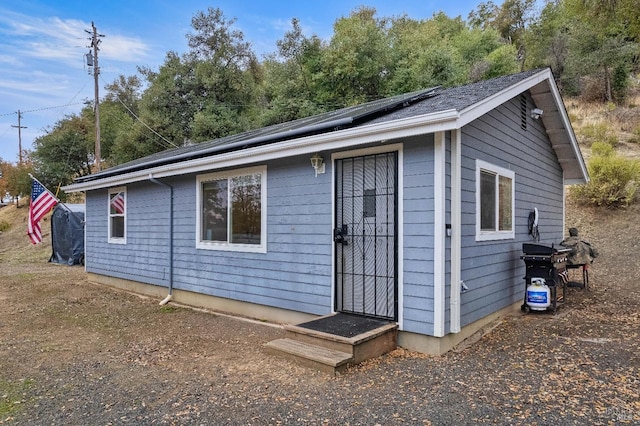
{"x":232,"y":211}
{"x":369,"y":208}
{"x":495,"y":194}
{"x":117,"y":215}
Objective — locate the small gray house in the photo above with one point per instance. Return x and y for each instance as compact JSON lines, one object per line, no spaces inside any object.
{"x":411,"y":209}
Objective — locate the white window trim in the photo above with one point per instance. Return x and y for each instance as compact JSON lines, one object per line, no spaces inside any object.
{"x":225,"y":246}
{"x":117,"y":240}
{"x":500,"y":171}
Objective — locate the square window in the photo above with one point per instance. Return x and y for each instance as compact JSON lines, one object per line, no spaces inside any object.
{"x":231,"y":210}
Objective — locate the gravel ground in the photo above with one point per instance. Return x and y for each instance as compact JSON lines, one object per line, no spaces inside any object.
{"x":75,"y":353}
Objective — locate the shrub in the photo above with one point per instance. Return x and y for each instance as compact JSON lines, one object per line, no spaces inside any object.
{"x":614,"y":180}
{"x":635,"y":138}
{"x":599,"y":132}
{"x":602,"y":149}
{"x":4,"y":226}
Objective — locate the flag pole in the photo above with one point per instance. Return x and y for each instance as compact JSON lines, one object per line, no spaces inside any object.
{"x":57,"y":199}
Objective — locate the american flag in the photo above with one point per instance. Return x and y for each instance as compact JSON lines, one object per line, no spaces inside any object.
{"x":117,"y":203}
{"x":41,"y":202}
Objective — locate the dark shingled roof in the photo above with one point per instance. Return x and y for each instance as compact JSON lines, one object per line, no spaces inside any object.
{"x":458,"y":98}
{"x":422,"y":102}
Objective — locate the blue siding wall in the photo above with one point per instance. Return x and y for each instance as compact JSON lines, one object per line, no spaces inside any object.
{"x":418,"y":235}
{"x":493,"y":270}
{"x":144,"y":257}
{"x":295,"y":273}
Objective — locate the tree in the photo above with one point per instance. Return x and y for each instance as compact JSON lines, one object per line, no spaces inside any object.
{"x":548,"y":39}
{"x":483,"y":16}
{"x":289,"y":86}
{"x":425,"y":53}
{"x":204,"y":94}
{"x":356,"y":62}
{"x":65,"y":152}
{"x":15,"y":180}
{"x":604,"y":43}
{"x":226,"y":73}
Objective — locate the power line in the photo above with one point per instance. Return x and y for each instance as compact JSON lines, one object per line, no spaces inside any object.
{"x":143,"y":123}
{"x":41,"y":109}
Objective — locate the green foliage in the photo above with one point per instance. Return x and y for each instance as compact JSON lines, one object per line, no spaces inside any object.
{"x":218,"y":87}
{"x":355,"y":64}
{"x":620,"y":82}
{"x":15,"y":178}
{"x":602,"y":44}
{"x":602,"y":149}
{"x":4,"y":226}
{"x":11,"y":396}
{"x":636,"y":135}
{"x":66,"y":151}
{"x":599,"y":132}
{"x":614,"y":179}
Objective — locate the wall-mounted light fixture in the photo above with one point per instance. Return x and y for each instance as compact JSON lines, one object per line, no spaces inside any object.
{"x":317,"y":162}
{"x":536,"y":113}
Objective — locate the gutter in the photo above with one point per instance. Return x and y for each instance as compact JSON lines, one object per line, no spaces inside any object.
{"x":157,"y":182}
{"x":340,"y":140}
{"x":223,"y":147}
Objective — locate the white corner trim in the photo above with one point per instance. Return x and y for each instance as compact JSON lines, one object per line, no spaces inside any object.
{"x":439,"y":255}
{"x":456,"y":229}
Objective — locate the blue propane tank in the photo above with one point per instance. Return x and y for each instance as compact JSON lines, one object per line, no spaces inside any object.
{"x":538,"y":294}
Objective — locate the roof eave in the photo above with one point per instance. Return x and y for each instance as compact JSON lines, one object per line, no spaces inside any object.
{"x":339,"y":139}
{"x":546,"y":95}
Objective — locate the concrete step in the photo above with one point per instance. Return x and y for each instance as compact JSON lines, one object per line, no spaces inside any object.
{"x":309,"y":355}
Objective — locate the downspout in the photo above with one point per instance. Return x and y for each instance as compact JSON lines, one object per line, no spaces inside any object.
{"x":456,"y":229}
{"x":157,"y":182}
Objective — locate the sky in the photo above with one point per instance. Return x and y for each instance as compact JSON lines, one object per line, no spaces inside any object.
{"x":42,"y":46}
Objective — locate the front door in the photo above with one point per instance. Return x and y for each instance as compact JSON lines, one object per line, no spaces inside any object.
{"x":366,"y":235}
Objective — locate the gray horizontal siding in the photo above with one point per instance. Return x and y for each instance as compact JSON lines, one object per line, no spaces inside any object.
{"x":418,"y":218}
{"x":144,"y":257}
{"x":493,"y":270}
{"x":295,"y":273}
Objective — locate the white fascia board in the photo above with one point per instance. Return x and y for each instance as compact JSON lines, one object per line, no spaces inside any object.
{"x":569,"y":131}
{"x":483,"y":107}
{"x":490,"y":103}
{"x":338,"y":140}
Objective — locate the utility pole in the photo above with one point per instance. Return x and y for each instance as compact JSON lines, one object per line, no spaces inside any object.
{"x":19,"y":127}
{"x":92,"y":60}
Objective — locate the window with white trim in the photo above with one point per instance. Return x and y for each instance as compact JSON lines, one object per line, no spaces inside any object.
{"x":231,"y":210}
{"x":495,"y":200}
{"x":117,"y":215}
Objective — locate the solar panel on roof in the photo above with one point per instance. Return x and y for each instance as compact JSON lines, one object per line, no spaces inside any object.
{"x":319,"y":123}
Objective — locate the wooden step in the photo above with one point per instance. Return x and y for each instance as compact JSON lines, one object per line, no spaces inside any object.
{"x":326,"y":360}
{"x":370,"y":344}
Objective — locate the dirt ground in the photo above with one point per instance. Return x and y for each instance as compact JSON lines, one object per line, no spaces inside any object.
{"x":75,"y":353}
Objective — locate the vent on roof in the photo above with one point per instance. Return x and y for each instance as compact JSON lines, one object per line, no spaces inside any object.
{"x":523,"y":112}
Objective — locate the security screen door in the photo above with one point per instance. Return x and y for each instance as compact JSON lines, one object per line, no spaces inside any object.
{"x":366,"y":235}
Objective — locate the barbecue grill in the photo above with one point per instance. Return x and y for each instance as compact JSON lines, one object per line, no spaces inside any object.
{"x":549,"y":263}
